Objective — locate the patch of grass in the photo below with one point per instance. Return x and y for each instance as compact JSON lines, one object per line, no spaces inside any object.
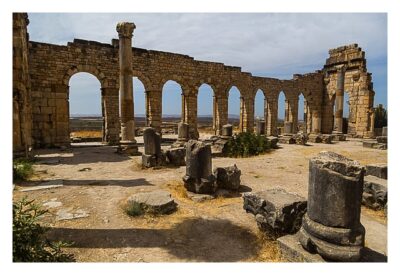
{"x":268,"y":249}
{"x":134,"y":209}
{"x":247,"y":144}
{"x":177,"y":189}
{"x":87,"y":134}
{"x":29,"y":241}
{"x":22,"y":169}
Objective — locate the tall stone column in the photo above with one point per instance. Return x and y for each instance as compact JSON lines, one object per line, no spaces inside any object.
{"x":248,"y":115}
{"x":315,"y":121}
{"x":272,"y":117}
{"x":154,"y":109}
{"x":128,"y":142}
{"x":265,"y":114}
{"x":111,"y":116}
{"x":293,"y":114}
{"x":191,"y":113}
{"x":221,"y":112}
{"x":339,"y":101}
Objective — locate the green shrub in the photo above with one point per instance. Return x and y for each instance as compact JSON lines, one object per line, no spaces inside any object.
{"x":380,"y":117}
{"x":247,"y":144}
{"x":134,"y":209}
{"x":22,"y":169}
{"x":29,"y":242}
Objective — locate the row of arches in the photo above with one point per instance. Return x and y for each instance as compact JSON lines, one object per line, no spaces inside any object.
{"x":85,"y":87}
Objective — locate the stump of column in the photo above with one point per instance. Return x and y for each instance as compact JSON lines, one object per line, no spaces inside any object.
{"x":227,"y":131}
{"x":331,"y":226}
{"x":288,"y":127}
{"x":199,"y":177}
{"x":183,"y":131}
{"x":152,"y":156}
{"x":260,"y":127}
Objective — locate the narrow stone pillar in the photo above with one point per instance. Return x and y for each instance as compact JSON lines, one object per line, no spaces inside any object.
{"x":248,"y":115}
{"x":128,"y":142}
{"x":315,"y":122}
{"x":331,"y":227}
{"x":183,"y":131}
{"x":272,"y":117}
{"x":265,"y":115}
{"x":191,"y":113}
{"x":293,"y":113}
{"x":152,"y":148}
{"x":199,"y":177}
{"x":154,"y":109}
{"x":339,"y":101}
{"x":111,"y":115}
{"x":221,"y":112}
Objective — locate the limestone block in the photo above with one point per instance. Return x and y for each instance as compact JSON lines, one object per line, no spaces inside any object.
{"x":375,"y":192}
{"x":155,"y":202}
{"x":379,"y":170}
{"x":176,"y":156}
{"x":277,"y":212}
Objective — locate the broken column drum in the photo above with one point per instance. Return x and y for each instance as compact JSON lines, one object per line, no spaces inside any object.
{"x":152,"y":148}
{"x":183,"y":131}
{"x":199,"y":177}
{"x":331,"y":227}
{"x":260,"y":129}
{"x":288,"y":127}
{"x":227,"y":130}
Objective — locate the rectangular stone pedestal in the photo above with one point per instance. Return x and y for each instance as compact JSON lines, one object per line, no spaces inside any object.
{"x":287,"y":139}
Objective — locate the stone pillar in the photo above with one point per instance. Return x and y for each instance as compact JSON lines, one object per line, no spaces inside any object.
{"x":288,"y":128}
{"x":315,"y":121}
{"x":331,"y":227}
{"x":221,"y":112}
{"x":128,"y":142}
{"x":111,"y":116}
{"x":154,"y":109}
{"x":294,"y":113}
{"x":339,"y":101}
{"x":183,"y":131}
{"x":191,"y":113}
{"x":214,"y":118}
{"x":241,"y":115}
{"x":248,"y":115}
{"x":265,"y":115}
{"x":199,"y":177}
{"x":272,"y":117}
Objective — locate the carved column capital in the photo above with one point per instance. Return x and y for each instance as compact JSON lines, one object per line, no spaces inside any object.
{"x":125,"y":29}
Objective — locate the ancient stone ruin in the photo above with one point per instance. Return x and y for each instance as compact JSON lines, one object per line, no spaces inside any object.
{"x":331,"y":227}
{"x":41,"y":90}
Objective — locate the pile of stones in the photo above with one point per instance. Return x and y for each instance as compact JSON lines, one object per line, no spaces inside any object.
{"x":380,"y":142}
{"x":200,"y":178}
{"x":375,"y":187}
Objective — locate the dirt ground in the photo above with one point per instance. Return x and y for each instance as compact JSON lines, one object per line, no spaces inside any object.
{"x":98,"y":181}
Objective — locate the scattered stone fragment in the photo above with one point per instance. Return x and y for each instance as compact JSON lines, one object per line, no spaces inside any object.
{"x":277,"y":212}
{"x":155,"y":202}
{"x":176,"y":156}
{"x":199,"y":197}
{"x":68,"y":214}
{"x":379,"y":170}
{"x":45,"y":185}
{"x":53,"y":203}
{"x":301,"y":138}
{"x":85,"y":169}
{"x":375,"y":192}
{"x":228,"y":177}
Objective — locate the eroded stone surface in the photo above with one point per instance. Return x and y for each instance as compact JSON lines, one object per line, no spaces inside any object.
{"x":379,"y":170}
{"x":375,"y":192}
{"x":157,"y":202}
{"x":277,"y":211}
{"x":228,"y":177}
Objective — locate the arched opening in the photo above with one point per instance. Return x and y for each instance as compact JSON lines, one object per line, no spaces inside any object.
{"x":259,"y":112}
{"x":139,"y":103}
{"x":205,"y":110}
{"x":282,"y":115}
{"x":86,"y":114}
{"x":171,"y":107}
{"x":234,"y":108}
{"x":302,"y":114}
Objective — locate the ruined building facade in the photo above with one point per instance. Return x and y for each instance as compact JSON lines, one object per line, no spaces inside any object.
{"x":41,"y":74}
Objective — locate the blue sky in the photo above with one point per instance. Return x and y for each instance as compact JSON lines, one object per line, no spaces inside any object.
{"x":265,"y":44}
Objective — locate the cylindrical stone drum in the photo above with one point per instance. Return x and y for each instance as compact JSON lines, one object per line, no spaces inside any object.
{"x":227,"y":130}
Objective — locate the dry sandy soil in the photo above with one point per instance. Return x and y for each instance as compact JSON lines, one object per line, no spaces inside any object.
{"x":212,"y":231}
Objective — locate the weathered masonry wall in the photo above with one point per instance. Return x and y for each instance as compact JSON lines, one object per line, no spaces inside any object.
{"x":22,"y":119}
{"x":51,"y":67}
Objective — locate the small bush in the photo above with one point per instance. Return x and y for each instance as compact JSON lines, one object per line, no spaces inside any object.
{"x":134,"y":209}
{"x":247,"y":144}
{"x":380,"y":117}
{"x":22,"y":169}
{"x":29,"y":242}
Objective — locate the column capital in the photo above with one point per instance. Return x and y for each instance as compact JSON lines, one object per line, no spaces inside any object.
{"x":125,"y":29}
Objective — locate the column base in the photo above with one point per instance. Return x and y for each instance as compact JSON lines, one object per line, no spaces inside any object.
{"x":338,"y":136}
{"x":129,"y":148}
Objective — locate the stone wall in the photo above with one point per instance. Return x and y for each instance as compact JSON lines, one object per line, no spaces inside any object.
{"x":22,"y":118}
{"x":51,"y":67}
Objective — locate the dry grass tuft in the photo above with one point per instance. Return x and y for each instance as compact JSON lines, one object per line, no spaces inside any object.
{"x":137,"y":165}
{"x":177,"y":189}
{"x":377,"y":214}
{"x":268,"y":249}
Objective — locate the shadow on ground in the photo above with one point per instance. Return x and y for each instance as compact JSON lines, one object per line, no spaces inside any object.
{"x":123,"y":183}
{"x":197,"y":239}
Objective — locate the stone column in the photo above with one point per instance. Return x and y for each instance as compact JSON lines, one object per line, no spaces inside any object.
{"x":315,"y":121}
{"x":265,"y":115}
{"x":128,"y":142}
{"x":111,"y":116}
{"x":339,"y":101}
{"x":154,"y":109}
{"x":331,"y":227}
{"x":221,"y":112}
{"x":214,"y":118}
{"x":293,"y":114}
{"x":248,"y":115}
{"x":191,"y":113}
{"x":272,"y":117}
